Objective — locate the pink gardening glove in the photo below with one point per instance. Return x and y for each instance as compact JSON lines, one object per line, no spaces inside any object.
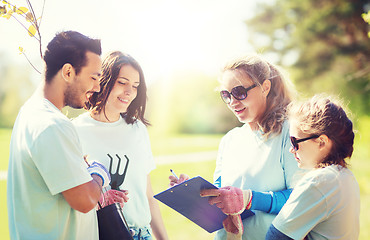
{"x":174,"y":181}
{"x":234,"y":227}
{"x":112,"y":196}
{"x":231,"y":200}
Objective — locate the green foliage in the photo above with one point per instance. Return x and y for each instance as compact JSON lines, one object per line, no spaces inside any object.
{"x":325,"y":42}
{"x":188,"y":103}
{"x":15,"y":87}
{"x":366,"y":17}
{"x":5,"y":134}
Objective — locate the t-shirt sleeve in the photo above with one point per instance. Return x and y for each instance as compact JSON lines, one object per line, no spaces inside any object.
{"x":274,"y":234}
{"x":305,"y":208}
{"x":57,"y":154}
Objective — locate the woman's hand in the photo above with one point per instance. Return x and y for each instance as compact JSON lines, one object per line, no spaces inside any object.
{"x":234,"y":227}
{"x":174,"y":180}
{"x":112,"y":196}
{"x":231,"y":200}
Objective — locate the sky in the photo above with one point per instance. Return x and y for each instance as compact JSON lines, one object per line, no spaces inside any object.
{"x":164,"y":36}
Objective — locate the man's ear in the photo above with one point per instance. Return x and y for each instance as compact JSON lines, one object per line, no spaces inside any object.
{"x":67,"y":72}
{"x":266,"y":87}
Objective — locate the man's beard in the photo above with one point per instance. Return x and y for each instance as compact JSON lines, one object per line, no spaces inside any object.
{"x":72,"y":97}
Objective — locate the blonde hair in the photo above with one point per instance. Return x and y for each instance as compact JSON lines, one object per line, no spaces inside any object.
{"x":279,"y":97}
{"x":325,"y":115}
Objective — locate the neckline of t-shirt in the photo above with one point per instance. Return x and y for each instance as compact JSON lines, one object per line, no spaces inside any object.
{"x":257,"y":132}
{"x":110,"y":124}
{"x":52,"y":105}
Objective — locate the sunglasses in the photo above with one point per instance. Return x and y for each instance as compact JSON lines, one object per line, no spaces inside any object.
{"x":239,"y":93}
{"x":294,"y":141}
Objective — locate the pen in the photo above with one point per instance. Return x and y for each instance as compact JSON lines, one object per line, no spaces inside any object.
{"x":174,"y":174}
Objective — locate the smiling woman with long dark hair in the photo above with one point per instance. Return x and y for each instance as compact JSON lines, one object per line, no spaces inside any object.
{"x":114,"y":132}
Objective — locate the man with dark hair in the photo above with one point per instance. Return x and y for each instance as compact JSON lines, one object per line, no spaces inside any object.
{"x":51,"y":193}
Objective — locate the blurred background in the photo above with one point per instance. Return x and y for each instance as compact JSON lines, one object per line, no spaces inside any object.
{"x":324,"y":46}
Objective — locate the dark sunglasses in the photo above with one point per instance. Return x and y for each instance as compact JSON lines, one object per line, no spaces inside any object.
{"x":294,"y":141}
{"x":238,"y":92}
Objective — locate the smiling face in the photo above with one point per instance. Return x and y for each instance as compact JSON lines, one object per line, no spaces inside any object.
{"x":250,"y":109}
{"x":123,"y":92}
{"x":85,"y":83}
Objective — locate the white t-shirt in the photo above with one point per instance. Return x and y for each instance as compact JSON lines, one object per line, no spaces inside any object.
{"x":45,"y":160}
{"x":99,"y":139}
{"x":325,"y":204}
{"x":247,"y":161}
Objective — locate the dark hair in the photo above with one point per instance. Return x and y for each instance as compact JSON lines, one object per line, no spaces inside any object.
{"x":323,"y":115}
{"x":68,"y":47}
{"x":259,"y":70}
{"x":112,"y":65}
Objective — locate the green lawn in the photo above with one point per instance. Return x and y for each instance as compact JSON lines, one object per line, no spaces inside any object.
{"x":179,"y":227}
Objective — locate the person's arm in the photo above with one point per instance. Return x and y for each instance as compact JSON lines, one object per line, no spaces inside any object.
{"x":275,"y":234}
{"x":270,"y":202}
{"x":156,"y":224}
{"x":84,"y":197}
{"x":233,"y":200}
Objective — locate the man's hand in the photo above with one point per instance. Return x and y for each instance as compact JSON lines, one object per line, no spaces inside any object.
{"x":234,"y":227}
{"x":231,"y":200}
{"x":112,"y":196}
{"x":174,"y":181}
{"x":99,"y":169}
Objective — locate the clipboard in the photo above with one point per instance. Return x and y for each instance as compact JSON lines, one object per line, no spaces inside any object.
{"x":185,"y":199}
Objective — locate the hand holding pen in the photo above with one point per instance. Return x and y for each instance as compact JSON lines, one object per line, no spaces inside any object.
{"x":174,"y":180}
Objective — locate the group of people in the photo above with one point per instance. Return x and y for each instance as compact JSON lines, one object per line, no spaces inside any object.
{"x":287,"y":162}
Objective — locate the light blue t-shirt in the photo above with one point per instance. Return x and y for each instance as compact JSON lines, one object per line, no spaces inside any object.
{"x":325,"y":204}
{"x":248,"y":161}
{"x":45,"y":160}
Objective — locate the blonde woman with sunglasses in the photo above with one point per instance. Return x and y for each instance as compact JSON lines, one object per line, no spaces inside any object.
{"x":325,"y":204}
{"x":254,"y":168}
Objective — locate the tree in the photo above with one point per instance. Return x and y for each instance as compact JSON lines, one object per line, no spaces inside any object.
{"x":27,"y":18}
{"x":15,"y":82}
{"x":186,"y":103}
{"x":324,"y":43}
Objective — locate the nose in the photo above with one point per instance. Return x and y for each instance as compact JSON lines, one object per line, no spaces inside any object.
{"x":128,"y":91}
{"x":96,"y":87}
{"x":291,"y":150}
{"x":233,"y":100}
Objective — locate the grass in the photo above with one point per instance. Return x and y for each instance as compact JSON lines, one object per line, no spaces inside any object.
{"x":178,"y":227}
{"x":168,"y":145}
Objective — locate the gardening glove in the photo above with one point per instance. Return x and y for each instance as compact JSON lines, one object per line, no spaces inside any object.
{"x":234,"y":227}
{"x":99,"y":169}
{"x":112,"y":196}
{"x":175,"y":181}
{"x":231,"y":200}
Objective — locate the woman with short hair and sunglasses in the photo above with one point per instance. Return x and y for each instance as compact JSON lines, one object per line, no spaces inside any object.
{"x":114,"y":131}
{"x":325,"y":203}
{"x":254,"y":168}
